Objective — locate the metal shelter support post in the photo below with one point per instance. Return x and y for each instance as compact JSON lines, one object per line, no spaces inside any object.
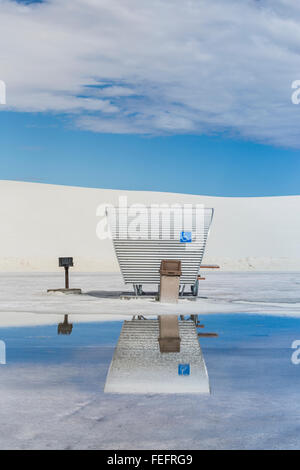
{"x":195,"y":288}
{"x":138,"y":289}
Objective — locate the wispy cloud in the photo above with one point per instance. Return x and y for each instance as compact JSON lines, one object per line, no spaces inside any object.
{"x":165,"y":66}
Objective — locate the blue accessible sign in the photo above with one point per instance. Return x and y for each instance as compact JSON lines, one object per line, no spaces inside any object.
{"x":184,"y":369}
{"x":186,"y":237}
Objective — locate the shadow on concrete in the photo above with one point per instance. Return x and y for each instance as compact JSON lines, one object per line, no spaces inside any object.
{"x":104,"y":294}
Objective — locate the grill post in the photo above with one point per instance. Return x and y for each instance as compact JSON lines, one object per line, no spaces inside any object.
{"x":66,"y":277}
{"x":66,"y":263}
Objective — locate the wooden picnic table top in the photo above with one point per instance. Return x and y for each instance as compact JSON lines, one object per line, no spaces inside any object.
{"x":209,"y":266}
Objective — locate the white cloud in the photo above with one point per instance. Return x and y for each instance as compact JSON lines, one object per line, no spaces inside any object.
{"x":160,"y":66}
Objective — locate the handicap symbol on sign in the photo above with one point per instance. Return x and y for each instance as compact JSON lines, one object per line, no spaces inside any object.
{"x":186,"y":237}
{"x":183,"y":369}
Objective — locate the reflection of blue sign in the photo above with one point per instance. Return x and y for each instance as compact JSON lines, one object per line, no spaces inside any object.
{"x":186,"y":237}
{"x":183,"y":369}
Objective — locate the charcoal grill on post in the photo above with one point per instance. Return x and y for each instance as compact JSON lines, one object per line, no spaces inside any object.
{"x":66,"y":263}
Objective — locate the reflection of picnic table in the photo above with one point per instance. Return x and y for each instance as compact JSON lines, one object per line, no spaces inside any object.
{"x":64,"y":328}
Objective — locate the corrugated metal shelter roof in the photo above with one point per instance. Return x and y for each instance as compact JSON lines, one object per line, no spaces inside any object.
{"x":143,"y":239}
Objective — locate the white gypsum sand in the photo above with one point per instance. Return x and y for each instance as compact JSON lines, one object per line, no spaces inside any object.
{"x":24,"y":299}
{"x":40,"y":222}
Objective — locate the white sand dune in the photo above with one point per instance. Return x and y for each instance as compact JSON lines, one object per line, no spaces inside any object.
{"x":40,"y":222}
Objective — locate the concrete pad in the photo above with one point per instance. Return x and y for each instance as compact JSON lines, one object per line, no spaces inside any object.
{"x":66,"y":291}
{"x":153,"y":296}
{"x":132,"y":295}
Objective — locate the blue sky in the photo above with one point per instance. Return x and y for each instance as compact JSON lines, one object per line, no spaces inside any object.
{"x":164,"y":97}
{"x":44,"y":149}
